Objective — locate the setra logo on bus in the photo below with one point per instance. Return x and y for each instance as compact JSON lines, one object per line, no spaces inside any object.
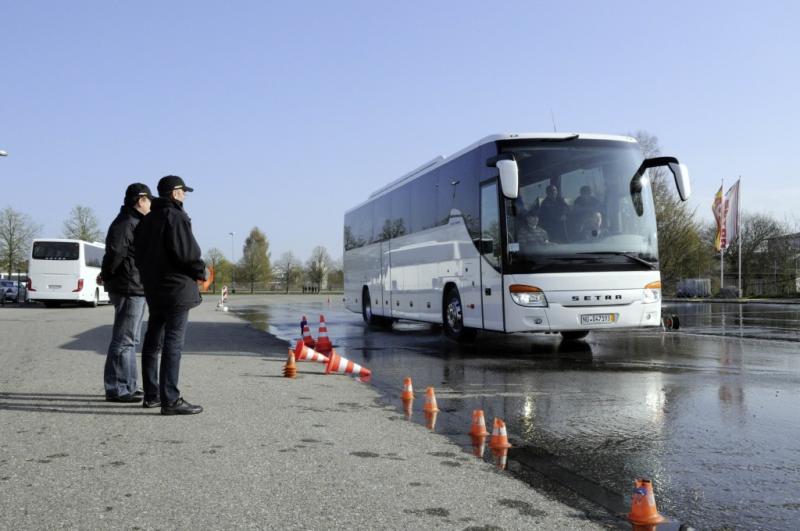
{"x":577,"y":298}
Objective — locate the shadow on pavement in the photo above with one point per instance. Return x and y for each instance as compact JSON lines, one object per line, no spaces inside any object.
{"x":67,"y":403}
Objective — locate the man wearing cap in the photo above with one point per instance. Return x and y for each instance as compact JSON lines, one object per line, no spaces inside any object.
{"x":124,"y":286}
{"x":170,"y":262}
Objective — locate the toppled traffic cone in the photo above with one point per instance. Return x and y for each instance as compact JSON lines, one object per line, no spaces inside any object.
{"x":478,"y":445}
{"x":408,"y":390}
{"x":478,"y":428}
{"x":499,"y":436}
{"x":324,"y":344}
{"x":430,"y":401}
{"x":430,"y":419}
{"x":643,"y":504}
{"x":304,"y":353}
{"x":307,"y":339}
{"x":290,"y":369}
{"x":339,"y":365}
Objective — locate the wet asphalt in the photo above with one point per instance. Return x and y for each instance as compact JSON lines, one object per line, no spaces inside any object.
{"x":709,"y":412}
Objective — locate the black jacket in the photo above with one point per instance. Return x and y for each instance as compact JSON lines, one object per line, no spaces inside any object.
{"x":119,"y":271}
{"x":168,"y":257}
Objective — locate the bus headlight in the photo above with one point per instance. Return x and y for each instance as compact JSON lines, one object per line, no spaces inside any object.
{"x":530,"y":296}
{"x":652,"y":292}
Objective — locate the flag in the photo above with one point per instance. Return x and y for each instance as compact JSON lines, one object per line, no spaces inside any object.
{"x":732,"y":213}
{"x":717,"y":207}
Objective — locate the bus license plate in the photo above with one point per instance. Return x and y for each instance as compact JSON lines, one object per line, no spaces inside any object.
{"x":54,"y":286}
{"x":598,"y":318}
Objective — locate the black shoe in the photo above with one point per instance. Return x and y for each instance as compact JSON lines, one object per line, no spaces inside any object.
{"x":180,"y":407}
{"x":127,"y":399}
{"x":151,"y":403}
{"x":139,"y":392}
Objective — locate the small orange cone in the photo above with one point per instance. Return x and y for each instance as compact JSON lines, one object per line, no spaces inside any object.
{"x":430,"y":401}
{"x":339,"y":365}
{"x":290,"y":369}
{"x":307,"y":339}
{"x":643,"y":504}
{"x":499,"y":436}
{"x":430,"y":419}
{"x":304,"y":353}
{"x":478,"y":428}
{"x":408,"y":408}
{"x":478,"y":445}
{"x":323,"y":341}
{"x":408,"y":390}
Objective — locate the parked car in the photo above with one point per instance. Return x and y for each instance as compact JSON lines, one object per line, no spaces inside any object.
{"x":11,"y":289}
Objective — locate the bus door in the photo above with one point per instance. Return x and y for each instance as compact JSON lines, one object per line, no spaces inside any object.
{"x":491,"y":253}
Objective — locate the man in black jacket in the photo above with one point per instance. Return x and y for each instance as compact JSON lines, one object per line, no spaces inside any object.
{"x":121,"y":279}
{"x":170,"y":263}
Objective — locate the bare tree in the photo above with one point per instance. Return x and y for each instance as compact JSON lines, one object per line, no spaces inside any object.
{"x":288,"y":269}
{"x":254,"y":266}
{"x":317,"y":266}
{"x":16,"y":232}
{"x":336,"y":275}
{"x":82,"y":225}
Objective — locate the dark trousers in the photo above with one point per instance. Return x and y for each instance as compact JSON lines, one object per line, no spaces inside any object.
{"x":166,"y":332}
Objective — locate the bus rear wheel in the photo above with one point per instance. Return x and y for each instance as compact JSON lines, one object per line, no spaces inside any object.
{"x":454,"y":319}
{"x":574,"y":335}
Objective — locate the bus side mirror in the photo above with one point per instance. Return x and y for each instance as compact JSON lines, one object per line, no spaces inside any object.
{"x":506,"y":164}
{"x":682,"y":182}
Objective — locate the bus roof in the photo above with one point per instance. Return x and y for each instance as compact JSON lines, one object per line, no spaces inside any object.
{"x":440,"y":160}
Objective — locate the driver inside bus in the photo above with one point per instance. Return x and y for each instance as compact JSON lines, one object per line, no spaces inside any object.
{"x":530,"y":233}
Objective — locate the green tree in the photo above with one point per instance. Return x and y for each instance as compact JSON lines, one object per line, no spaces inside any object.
{"x":222,"y":268}
{"x":82,"y":224}
{"x":317,"y":267}
{"x":254,"y":267}
{"x":681,"y":249}
{"x":336,"y":275}
{"x":16,"y":232}
{"x":288,"y":269}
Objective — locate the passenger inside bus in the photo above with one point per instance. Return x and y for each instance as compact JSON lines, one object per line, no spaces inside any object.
{"x":583,"y":209}
{"x":592,"y":227}
{"x":553,"y":214}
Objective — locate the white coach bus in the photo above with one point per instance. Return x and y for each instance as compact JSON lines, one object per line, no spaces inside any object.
{"x":65,"y":271}
{"x":516,"y":233}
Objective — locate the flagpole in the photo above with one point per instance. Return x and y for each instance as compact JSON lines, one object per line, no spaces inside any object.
{"x":739,"y":229}
{"x":721,"y":229}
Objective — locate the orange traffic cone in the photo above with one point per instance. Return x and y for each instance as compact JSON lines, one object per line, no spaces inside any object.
{"x":339,"y":365}
{"x":500,"y":457}
{"x":323,"y":341}
{"x":478,"y":428}
{"x":304,"y":353}
{"x":430,"y":401}
{"x":290,"y":369}
{"x":430,"y":419}
{"x":307,"y":339}
{"x":408,"y":390}
{"x":499,"y":436}
{"x":643,"y":504}
{"x":478,"y":445}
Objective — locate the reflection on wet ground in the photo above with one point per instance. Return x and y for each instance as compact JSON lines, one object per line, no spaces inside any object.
{"x":755,"y":321}
{"x":711,"y":420}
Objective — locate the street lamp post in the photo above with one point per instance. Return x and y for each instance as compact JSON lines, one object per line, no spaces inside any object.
{"x":233,"y":265}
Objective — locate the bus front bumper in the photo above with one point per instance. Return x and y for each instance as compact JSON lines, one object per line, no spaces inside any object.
{"x":558,"y":318}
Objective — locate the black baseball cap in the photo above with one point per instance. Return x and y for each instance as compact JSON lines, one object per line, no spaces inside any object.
{"x":137,"y":190}
{"x":172,"y":182}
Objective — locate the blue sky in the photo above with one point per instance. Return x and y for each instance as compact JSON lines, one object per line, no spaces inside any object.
{"x":283,"y":115}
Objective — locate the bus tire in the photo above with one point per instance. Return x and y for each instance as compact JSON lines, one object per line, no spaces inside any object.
{"x":453,"y":319}
{"x":574,"y":335}
{"x":366,"y":312}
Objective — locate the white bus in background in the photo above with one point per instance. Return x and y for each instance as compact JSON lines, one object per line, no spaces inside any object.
{"x":65,"y":271}
{"x":447,"y":242}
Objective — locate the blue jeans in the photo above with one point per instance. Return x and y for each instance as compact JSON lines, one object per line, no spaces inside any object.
{"x":169,"y":329}
{"x":119,"y":375}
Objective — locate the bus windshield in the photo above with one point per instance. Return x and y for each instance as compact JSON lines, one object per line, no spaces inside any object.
{"x":579,"y":209}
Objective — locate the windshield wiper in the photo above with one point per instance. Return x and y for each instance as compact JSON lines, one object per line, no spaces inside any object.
{"x":630,"y":256}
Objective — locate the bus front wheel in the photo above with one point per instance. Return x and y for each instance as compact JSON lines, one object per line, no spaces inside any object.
{"x":366,"y":312}
{"x":454,"y":319}
{"x":574,"y":335}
